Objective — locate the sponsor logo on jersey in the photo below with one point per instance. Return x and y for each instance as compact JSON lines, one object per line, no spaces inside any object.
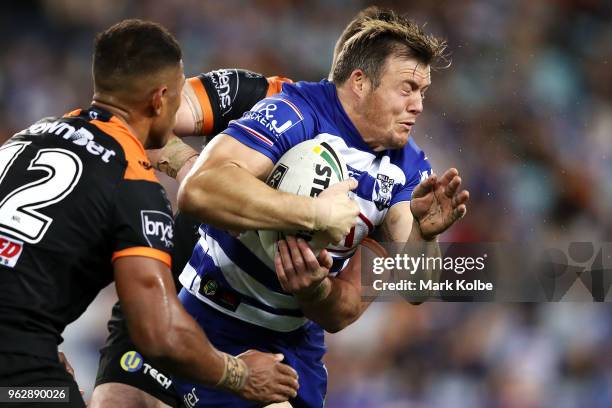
{"x":382,"y":191}
{"x":157,"y":228}
{"x":157,"y":376}
{"x":10,"y":251}
{"x":131,"y":361}
{"x":78,"y":136}
{"x":276,"y":115}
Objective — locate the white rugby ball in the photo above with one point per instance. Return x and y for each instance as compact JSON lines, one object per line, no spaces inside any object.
{"x":306,"y":169}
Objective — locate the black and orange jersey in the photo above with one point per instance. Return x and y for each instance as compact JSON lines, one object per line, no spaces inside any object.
{"x":225,"y":94}
{"x":221,"y":96}
{"x":76,"y":193}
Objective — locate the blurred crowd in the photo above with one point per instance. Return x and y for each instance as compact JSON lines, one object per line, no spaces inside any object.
{"x":524,"y":112}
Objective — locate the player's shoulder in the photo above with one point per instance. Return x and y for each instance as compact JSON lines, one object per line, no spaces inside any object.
{"x":297,"y":96}
{"x":289,"y":113}
{"x":317,"y":101}
{"x":309,"y":93}
{"x":104,"y":129}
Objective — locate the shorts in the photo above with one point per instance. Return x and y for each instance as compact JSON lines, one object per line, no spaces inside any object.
{"x":22,"y":370}
{"x":303,"y":350}
{"x":122,"y":363}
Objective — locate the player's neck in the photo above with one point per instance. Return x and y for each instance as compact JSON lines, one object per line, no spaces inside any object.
{"x":137,"y":127}
{"x":350,"y":106}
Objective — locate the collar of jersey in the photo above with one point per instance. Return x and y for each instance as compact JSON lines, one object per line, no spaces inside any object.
{"x":106,"y":116}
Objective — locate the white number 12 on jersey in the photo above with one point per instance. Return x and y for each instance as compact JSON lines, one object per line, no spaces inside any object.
{"x":18,"y":215}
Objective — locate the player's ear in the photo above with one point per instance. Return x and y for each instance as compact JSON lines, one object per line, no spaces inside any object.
{"x":158,"y":100}
{"x":359,"y":83}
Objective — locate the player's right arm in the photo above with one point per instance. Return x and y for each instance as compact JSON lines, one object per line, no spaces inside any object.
{"x":166,"y":333}
{"x":226,"y":188}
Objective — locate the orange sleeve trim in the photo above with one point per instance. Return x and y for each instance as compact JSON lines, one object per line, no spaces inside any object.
{"x":205,"y":106}
{"x":138,"y":167}
{"x":146,"y":252}
{"x":275,"y":84}
{"x":75,"y":112}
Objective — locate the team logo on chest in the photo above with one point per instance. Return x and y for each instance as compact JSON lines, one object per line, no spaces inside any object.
{"x":381,"y":196}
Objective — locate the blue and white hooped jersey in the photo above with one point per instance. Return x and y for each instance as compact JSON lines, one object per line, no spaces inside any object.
{"x":233,"y":274}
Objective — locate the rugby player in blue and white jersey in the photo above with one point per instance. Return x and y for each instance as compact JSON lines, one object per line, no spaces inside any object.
{"x":366,"y":112}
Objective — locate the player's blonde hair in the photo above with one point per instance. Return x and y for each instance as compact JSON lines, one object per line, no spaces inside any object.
{"x":375,"y":34}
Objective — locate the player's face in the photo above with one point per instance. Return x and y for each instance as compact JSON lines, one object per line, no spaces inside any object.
{"x":391,"y":109}
{"x":161,"y":128}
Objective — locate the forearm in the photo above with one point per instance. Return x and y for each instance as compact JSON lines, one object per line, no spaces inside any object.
{"x":184,"y":169}
{"x":161,"y":328}
{"x":170,"y":337}
{"x":417,"y":245}
{"x":230,"y":197}
{"x":336,"y":305}
{"x":176,"y":343}
{"x":190,"y":354}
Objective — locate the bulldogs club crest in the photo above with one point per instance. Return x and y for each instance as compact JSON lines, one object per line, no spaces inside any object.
{"x":382,"y":191}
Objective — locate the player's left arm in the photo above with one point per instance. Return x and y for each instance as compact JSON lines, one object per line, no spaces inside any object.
{"x":335,"y":302}
{"x":435,"y":205}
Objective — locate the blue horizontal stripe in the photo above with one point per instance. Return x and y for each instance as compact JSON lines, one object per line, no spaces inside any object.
{"x":205,"y":267}
{"x":242,"y":257}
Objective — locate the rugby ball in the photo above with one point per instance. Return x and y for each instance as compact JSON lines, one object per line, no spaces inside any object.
{"x":306,"y":169}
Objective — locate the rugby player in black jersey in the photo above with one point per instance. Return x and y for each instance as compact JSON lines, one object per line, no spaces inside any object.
{"x":81,"y":207}
{"x":208,"y":103}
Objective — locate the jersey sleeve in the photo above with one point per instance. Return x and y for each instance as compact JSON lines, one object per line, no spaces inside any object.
{"x":417,"y":172}
{"x":224,"y":95}
{"x":274,"y":125}
{"x":143,"y":224}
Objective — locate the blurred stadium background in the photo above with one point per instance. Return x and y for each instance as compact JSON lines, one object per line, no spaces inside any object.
{"x":525,"y":113}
